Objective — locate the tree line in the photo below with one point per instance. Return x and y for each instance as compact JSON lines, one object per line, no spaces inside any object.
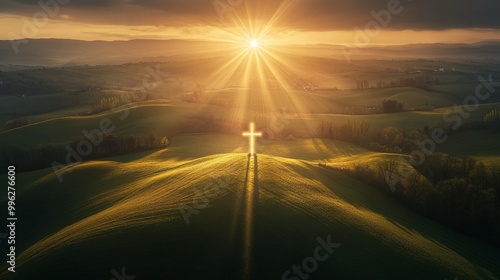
{"x":15,"y":123}
{"x":353,"y":131}
{"x":418,"y":81}
{"x":458,"y":192}
{"x":43,"y":156}
{"x":108,"y":103}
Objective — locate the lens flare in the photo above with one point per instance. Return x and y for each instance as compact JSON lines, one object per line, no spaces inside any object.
{"x":254,"y":44}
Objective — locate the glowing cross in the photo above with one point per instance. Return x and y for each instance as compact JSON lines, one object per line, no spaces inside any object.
{"x":252,"y":134}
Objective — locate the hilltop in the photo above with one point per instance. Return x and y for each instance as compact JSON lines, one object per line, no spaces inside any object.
{"x":125,"y":211}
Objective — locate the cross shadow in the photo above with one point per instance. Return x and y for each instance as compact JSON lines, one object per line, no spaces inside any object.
{"x":250,"y":198}
{"x":248,"y":170}
{"x":255,"y":181}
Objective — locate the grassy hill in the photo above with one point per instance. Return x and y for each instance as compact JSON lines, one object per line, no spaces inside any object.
{"x":486,"y":150}
{"x":257,"y":218}
{"x":50,"y":89}
{"x":169,"y":118}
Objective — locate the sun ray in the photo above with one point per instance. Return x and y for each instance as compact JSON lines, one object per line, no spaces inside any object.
{"x":256,"y":66}
{"x":222,"y":76}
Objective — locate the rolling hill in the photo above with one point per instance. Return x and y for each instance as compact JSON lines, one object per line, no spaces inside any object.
{"x":169,"y":118}
{"x":60,"y":52}
{"x":256,"y":218}
{"x":485,"y":150}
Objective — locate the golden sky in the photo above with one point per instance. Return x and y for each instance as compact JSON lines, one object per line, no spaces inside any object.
{"x":291,"y":21}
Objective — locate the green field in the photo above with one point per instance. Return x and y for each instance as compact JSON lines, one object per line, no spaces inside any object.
{"x":486,"y":150}
{"x":167,"y":118}
{"x":67,"y":85}
{"x":124,"y":211}
{"x":256,"y":217}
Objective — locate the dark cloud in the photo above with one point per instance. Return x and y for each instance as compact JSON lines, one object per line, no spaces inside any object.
{"x":79,"y":3}
{"x":415,"y":14}
{"x":304,"y":14}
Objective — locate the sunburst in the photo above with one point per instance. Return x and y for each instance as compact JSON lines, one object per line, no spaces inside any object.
{"x":254,"y":55}
{"x":254,"y":44}
{"x":253,"y":61}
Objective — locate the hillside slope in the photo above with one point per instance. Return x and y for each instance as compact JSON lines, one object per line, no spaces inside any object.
{"x":253,"y":218}
{"x":172,"y":117}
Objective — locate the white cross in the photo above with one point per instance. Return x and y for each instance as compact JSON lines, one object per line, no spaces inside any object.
{"x":252,"y":135}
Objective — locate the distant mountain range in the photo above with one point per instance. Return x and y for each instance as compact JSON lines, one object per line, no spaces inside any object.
{"x":62,"y":52}
{"x":481,"y":51}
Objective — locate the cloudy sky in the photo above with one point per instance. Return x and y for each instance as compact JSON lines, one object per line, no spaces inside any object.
{"x":300,"y":21}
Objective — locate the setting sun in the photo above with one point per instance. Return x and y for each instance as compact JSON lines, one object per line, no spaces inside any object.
{"x":254,"y":44}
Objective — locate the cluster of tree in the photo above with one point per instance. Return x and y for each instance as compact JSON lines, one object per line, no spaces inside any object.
{"x":352,"y":131}
{"x":457,"y":192}
{"x":196,"y":95}
{"x":18,"y":85}
{"x":492,"y":119}
{"x":391,"y":106}
{"x":393,"y":140}
{"x":27,"y":159}
{"x":15,"y":123}
{"x":419,"y":81}
{"x":386,"y":107}
{"x":109,"y":103}
{"x":363,"y":84}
